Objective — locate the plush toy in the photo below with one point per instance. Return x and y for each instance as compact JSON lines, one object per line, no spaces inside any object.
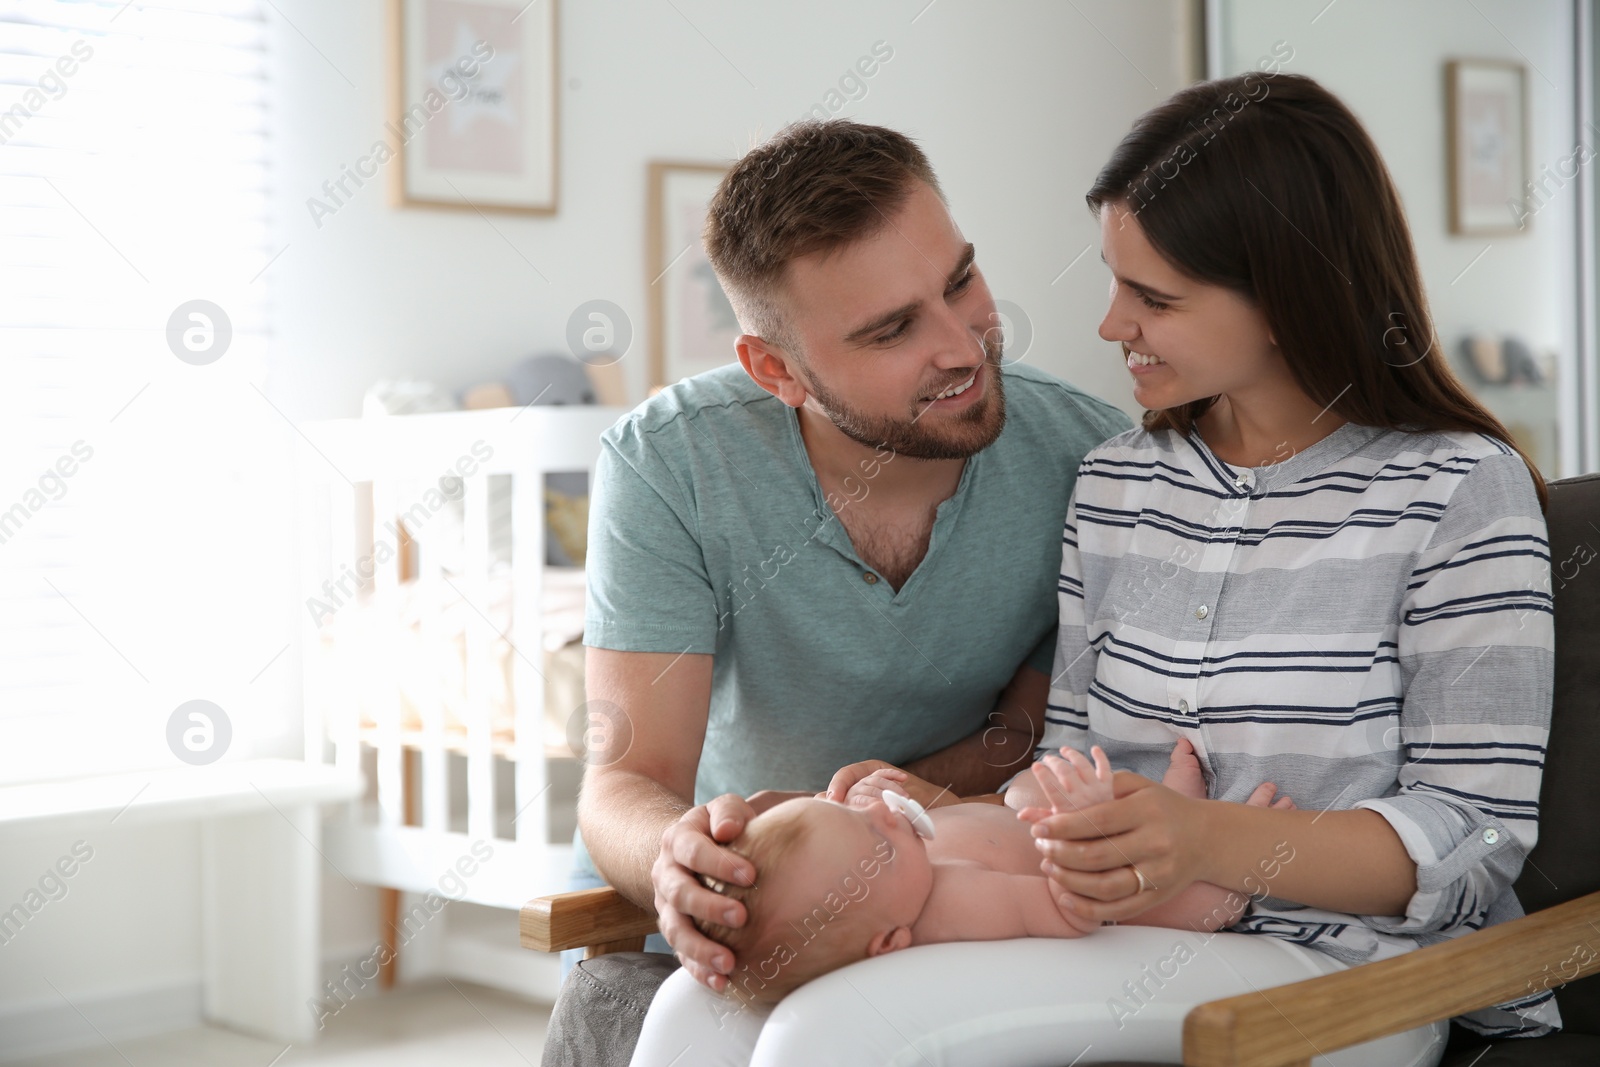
{"x":1497,"y":361}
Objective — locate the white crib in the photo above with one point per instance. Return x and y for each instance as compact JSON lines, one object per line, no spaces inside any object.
{"x":424,"y":557}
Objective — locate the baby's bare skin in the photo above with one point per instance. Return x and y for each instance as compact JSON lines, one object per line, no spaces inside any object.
{"x":987,"y":883}
{"x":990,"y":835}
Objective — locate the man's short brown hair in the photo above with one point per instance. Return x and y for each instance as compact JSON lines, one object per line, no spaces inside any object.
{"x":814,"y":187}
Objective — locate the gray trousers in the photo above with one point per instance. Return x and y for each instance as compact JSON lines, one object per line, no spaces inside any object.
{"x":600,"y":1010}
{"x":601,"y":1006}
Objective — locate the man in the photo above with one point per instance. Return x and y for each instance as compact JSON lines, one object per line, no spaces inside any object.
{"x":843,"y":550}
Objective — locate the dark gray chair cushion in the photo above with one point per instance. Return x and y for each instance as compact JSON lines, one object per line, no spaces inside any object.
{"x":1557,"y":1050}
{"x":1565,"y":864}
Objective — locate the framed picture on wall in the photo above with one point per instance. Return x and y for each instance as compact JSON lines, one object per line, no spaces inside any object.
{"x":1486,"y":108}
{"x":473,"y":108}
{"x":692,"y":326}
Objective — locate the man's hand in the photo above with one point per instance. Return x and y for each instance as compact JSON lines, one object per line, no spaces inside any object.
{"x":688,"y":846}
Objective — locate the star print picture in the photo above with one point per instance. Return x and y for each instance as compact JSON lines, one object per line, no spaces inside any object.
{"x":474,"y":104}
{"x":483,"y":126}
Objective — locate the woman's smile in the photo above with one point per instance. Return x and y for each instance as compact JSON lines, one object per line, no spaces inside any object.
{"x":1142,"y":363}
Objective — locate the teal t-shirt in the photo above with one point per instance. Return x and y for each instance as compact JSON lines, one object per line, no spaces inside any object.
{"x":708,"y":533}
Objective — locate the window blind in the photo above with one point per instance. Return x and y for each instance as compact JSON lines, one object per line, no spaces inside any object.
{"x":134,"y":180}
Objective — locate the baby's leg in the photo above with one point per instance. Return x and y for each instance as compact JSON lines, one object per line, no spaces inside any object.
{"x":1184,"y":776}
{"x":1183,"y":772}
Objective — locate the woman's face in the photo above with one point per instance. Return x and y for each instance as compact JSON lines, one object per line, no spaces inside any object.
{"x":1183,"y":340}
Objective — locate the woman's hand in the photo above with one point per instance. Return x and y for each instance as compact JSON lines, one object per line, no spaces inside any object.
{"x":1091,"y":853}
{"x":869,"y":779}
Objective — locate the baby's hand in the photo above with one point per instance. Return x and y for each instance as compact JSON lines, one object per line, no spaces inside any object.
{"x":873,"y":786}
{"x":1071,"y":784}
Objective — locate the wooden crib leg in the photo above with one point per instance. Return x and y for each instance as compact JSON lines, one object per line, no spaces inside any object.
{"x":389,"y":917}
{"x":389,"y":899}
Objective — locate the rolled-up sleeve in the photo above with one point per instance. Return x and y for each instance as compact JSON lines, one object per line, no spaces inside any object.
{"x":1476,"y":641}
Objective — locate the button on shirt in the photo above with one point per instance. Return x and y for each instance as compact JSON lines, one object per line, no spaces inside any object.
{"x":1367,"y":624}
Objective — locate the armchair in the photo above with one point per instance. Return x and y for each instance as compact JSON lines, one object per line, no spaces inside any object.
{"x":1553,"y":946}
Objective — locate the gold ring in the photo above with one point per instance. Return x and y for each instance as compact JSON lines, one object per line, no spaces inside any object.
{"x":1143,"y":882}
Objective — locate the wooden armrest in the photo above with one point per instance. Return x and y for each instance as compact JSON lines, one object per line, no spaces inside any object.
{"x":1287,"y":1025}
{"x":601,"y":920}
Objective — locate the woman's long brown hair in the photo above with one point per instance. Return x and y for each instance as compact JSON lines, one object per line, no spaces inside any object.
{"x":1269,"y":185}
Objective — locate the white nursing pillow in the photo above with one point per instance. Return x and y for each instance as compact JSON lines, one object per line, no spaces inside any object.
{"x":1119,"y":994}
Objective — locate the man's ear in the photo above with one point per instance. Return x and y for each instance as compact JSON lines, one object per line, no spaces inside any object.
{"x":771,"y":368}
{"x":889,"y":941}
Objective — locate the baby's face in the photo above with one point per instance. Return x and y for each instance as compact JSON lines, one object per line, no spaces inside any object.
{"x":864,"y":859}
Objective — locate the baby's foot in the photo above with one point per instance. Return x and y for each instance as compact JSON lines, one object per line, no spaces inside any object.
{"x":1183,"y":773}
{"x":1262,"y":798}
{"x":1184,"y":776}
{"x":1074,"y":783}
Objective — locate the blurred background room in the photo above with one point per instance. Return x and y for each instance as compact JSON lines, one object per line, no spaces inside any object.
{"x":313,"y":311}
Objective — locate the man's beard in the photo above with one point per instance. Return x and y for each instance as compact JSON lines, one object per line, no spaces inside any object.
{"x":960,"y":437}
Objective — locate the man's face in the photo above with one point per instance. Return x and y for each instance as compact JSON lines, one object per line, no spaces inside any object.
{"x":898,"y":337}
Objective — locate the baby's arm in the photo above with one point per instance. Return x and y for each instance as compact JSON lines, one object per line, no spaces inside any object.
{"x":1074,"y":783}
{"x":976,"y":904}
{"x":1025,"y":792}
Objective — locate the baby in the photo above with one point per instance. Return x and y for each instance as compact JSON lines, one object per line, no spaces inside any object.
{"x":837,"y":883}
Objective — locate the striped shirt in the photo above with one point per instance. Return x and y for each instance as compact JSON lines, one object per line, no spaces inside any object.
{"x":1367,"y":623}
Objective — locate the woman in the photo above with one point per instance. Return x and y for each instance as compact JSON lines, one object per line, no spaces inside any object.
{"x":1320,"y":561}
{"x":1319,"y":557}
